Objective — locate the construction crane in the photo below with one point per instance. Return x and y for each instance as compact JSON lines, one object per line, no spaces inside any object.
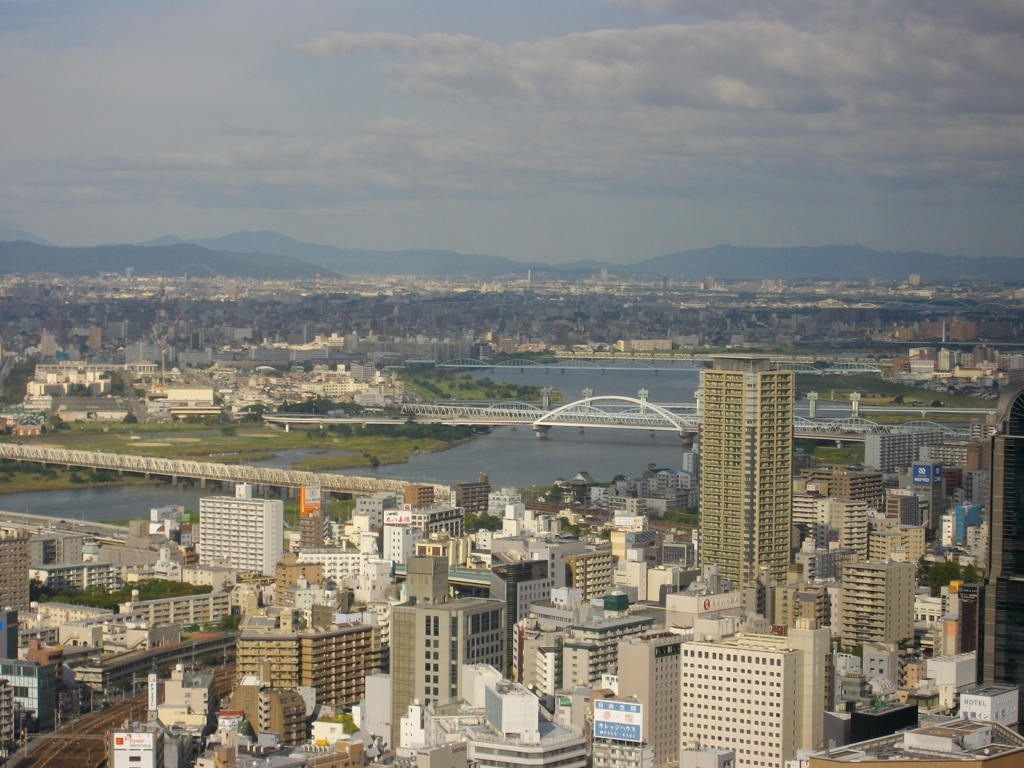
{"x":162,"y":331}
{"x":161,"y":342}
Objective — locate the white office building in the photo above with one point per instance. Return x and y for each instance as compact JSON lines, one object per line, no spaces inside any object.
{"x":340,"y":563}
{"x":762,"y":696}
{"x":241,"y":532}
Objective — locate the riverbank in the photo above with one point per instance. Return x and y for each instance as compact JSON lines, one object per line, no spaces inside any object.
{"x":16,"y":477}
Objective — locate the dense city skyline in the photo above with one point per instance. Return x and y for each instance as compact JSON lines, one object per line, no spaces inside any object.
{"x":614,"y":131}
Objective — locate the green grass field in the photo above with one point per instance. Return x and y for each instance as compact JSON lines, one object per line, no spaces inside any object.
{"x":875,"y":390}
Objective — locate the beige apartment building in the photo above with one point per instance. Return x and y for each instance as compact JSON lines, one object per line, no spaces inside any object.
{"x":332,"y":660}
{"x":904,"y":543}
{"x":877,"y":603}
{"x":590,"y":572}
{"x":746,"y":469}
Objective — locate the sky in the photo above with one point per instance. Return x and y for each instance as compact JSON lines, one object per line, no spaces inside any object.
{"x":547,"y":130}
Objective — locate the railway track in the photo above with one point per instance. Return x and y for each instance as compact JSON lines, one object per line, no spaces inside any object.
{"x":83,"y":744}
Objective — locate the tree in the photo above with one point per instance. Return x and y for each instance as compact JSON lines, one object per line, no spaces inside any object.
{"x":940,"y":575}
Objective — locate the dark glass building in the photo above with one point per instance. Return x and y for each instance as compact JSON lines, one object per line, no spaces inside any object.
{"x":1001,"y":659}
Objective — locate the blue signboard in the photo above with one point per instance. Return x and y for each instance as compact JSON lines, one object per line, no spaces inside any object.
{"x":923,"y":474}
{"x":618,"y":731}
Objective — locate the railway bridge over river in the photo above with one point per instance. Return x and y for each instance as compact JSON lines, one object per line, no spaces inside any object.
{"x":204,"y":471}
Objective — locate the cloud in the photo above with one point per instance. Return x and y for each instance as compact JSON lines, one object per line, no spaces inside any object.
{"x":696,"y":101}
{"x":854,"y":92}
{"x":337,"y":45}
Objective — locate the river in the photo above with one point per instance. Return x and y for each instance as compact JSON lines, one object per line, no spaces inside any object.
{"x":509,"y":457}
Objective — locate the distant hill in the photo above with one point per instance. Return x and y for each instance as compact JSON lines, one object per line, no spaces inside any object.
{"x":25,"y":257}
{"x":270,"y":255}
{"x":359,"y":261}
{"x":10,"y":234}
{"x":826,"y":262}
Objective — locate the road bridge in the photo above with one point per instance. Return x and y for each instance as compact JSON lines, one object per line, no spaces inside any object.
{"x":102,"y":532}
{"x":604,"y":412}
{"x":600,"y":362}
{"x":205,"y":470}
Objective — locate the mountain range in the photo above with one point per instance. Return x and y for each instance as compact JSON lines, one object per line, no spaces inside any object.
{"x":271,"y":255}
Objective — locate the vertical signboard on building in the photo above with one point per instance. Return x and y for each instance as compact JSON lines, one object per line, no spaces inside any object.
{"x":153,"y":687}
{"x":309,"y":500}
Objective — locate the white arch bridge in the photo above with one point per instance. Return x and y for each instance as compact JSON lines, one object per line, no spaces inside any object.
{"x":204,"y":470}
{"x":603,"y":412}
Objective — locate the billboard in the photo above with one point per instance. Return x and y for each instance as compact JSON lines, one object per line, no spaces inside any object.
{"x":927,"y":474}
{"x":398,"y":517}
{"x":309,"y":500}
{"x":134,"y":740}
{"x":619,"y":720}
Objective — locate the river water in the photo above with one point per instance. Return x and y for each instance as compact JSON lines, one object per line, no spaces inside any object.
{"x":509,"y":457}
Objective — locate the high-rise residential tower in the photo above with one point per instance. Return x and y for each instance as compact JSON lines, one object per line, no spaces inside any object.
{"x":1002,"y":648}
{"x":245,"y":533}
{"x":746,"y":471}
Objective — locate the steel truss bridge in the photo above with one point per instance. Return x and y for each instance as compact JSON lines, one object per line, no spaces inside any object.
{"x":204,"y":470}
{"x":604,"y":412}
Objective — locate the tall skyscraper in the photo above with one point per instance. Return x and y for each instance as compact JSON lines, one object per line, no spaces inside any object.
{"x":746,"y":471}
{"x":1002,"y":647}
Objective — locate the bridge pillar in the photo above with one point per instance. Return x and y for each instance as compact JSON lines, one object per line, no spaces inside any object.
{"x":855,"y":404}
{"x":812,"y":404}
{"x":287,"y":427}
{"x":687,"y":439}
{"x":541,"y":431}
{"x":174,"y":479}
{"x":581,"y":430}
{"x":202,"y":482}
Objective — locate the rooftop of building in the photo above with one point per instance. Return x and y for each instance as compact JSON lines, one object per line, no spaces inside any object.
{"x":602,"y":624}
{"x":989,"y":690}
{"x":549,"y":733}
{"x":954,"y":741}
